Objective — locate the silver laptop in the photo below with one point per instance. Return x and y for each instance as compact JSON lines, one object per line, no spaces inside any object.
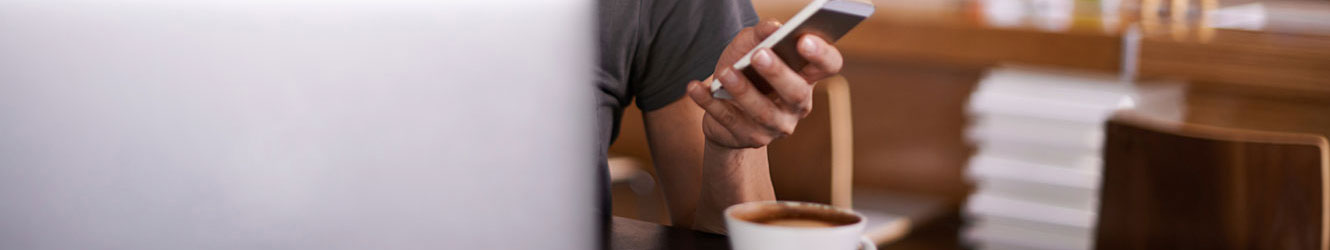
{"x":296,"y":124}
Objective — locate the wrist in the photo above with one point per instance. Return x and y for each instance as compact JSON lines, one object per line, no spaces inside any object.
{"x":711,"y":146}
{"x":740,"y":173}
{"x":730,"y":176}
{"x":729,"y":160}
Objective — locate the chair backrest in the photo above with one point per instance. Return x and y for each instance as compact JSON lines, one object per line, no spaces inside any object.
{"x":1184,"y":186}
{"x":815,"y":164}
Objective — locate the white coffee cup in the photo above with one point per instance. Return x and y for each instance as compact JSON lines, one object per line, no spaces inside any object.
{"x":790,"y":225}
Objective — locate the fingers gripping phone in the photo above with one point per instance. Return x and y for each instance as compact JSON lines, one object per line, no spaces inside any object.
{"x":827,"y":19}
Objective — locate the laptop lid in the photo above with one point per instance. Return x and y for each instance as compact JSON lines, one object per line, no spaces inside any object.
{"x":296,"y":124}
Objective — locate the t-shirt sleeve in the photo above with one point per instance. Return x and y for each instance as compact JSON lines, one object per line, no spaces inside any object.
{"x":682,"y":39}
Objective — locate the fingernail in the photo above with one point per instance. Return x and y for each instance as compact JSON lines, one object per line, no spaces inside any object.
{"x":691,"y":86}
{"x":808,"y":45}
{"x":727,"y":77}
{"x":762,"y":58}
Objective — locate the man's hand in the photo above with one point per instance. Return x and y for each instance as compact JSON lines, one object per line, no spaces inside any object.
{"x":753,"y":119}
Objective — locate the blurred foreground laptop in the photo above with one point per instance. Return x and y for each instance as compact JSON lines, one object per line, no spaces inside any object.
{"x":296,"y":124}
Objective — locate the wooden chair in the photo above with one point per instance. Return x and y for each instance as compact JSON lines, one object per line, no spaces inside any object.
{"x":1183,"y":186}
{"x":816,"y":163}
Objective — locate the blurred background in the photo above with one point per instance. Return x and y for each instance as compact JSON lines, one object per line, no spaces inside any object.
{"x":982,"y":123}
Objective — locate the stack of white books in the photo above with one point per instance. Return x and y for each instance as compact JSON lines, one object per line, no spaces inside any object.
{"x":1038,"y":135}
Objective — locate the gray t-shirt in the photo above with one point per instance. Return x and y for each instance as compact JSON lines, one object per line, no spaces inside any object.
{"x":650,"y":49}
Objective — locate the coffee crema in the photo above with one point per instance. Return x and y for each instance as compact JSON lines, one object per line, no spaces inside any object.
{"x":796,"y":216}
{"x":799,"y":223}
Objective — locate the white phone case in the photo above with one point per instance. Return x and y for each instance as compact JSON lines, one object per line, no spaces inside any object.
{"x":828,"y":19}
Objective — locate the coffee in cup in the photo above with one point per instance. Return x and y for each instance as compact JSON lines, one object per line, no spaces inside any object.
{"x":787,"y":225}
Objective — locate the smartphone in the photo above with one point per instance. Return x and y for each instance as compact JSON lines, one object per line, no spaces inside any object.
{"x":828,"y":19}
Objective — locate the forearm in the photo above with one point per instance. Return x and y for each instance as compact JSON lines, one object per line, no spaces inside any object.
{"x":730,"y":176}
{"x":676,"y":144}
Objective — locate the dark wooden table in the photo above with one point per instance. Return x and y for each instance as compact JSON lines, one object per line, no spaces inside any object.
{"x":626,"y":234}
{"x":633,"y":234}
